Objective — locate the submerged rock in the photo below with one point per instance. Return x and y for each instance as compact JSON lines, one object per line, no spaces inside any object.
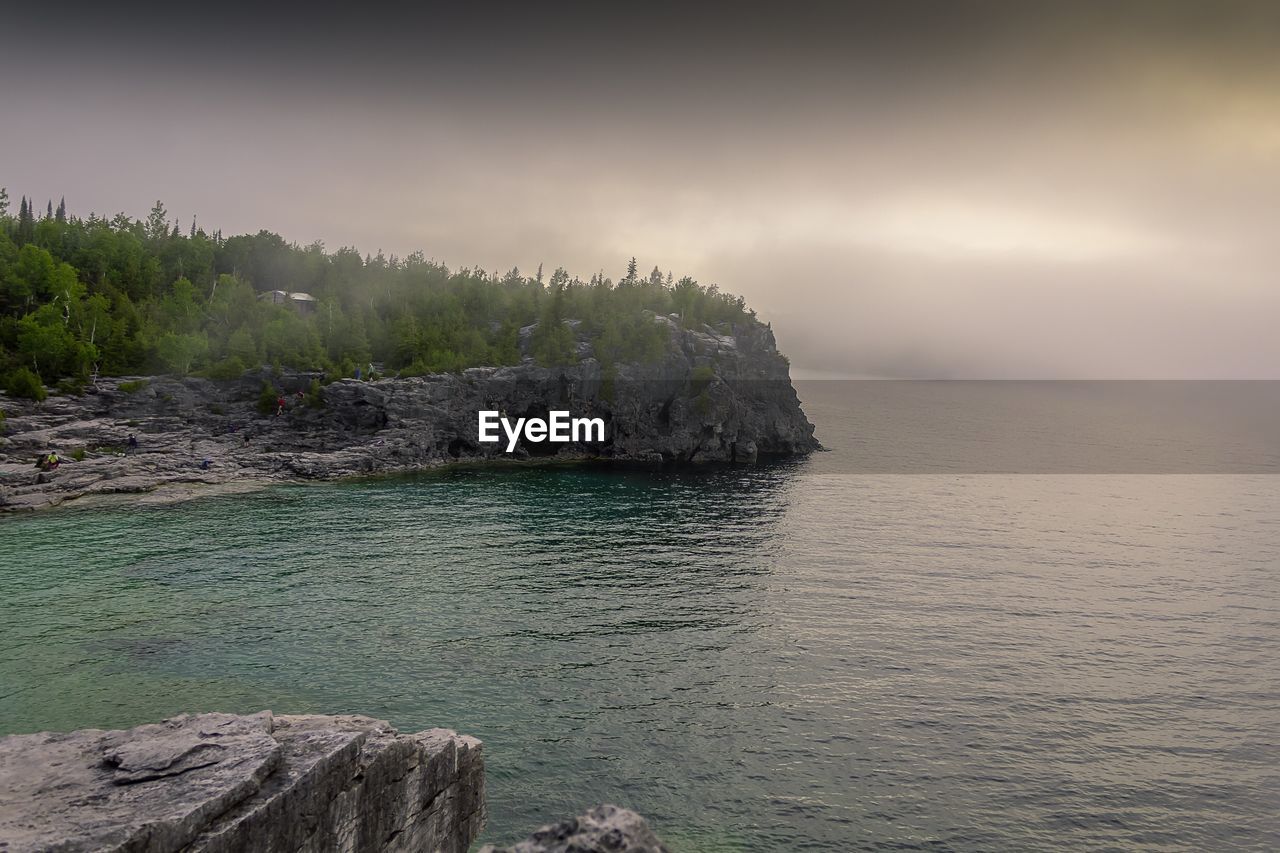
{"x":223,"y":782}
{"x":604,"y":829}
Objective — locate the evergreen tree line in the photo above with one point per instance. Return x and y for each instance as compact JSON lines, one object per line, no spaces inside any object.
{"x":87,"y":296}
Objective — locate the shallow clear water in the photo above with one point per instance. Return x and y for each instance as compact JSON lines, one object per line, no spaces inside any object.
{"x":762,"y":659}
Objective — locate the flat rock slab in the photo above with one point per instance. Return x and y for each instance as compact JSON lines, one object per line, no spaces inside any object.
{"x":148,"y":788}
{"x":225,"y":782}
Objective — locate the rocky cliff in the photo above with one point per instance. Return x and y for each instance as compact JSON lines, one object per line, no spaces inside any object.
{"x":713,"y":398}
{"x":217,"y":783}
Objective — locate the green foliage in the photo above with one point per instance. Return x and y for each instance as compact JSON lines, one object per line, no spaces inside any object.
{"x":699,"y":379}
{"x":78,"y":454}
{"x":553,"y":343}
{"x":228,"y":368}
{"x":121,"y":296}
{"x":24,"y":383}
{"x":267,"y":398}
{"x":179,"y":352}
{"x":315,"y":394}
{"x":134,"y":386}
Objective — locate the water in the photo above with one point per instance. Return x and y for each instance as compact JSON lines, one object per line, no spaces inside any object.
{"x":788,"y":657}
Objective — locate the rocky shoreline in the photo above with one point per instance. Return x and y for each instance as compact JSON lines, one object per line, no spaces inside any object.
{"x":218,"y":783}
{"x":713,"y":399}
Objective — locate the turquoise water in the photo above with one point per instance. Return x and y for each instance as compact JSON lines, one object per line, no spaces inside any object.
{"x":758,"y":659}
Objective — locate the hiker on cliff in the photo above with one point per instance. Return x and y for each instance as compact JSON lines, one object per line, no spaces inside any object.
{"x":280,"y":405}
{"x":133,"y":443}
{"x":50,"y":462}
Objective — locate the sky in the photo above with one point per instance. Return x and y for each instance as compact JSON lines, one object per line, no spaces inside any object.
{"x":908,"y":189}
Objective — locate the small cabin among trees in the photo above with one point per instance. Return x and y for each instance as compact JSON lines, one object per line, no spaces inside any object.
{"x":303,"y":303}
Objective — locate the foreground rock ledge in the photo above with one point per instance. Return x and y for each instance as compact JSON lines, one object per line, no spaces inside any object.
{"x":223,"y":782}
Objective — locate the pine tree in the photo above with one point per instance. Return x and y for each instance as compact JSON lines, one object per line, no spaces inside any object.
{"x":632,"y":273}
{"x":157,"y":227}
{"x":4,"y":201}
{"x":26,"y":223}
{"x":61,"y":214}
{"x":49,"y":210}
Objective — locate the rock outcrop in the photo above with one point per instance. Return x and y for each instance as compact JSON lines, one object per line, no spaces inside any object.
{"x":607,"y":829}
{"x":713,"y":398}
{"x":216,"y":783}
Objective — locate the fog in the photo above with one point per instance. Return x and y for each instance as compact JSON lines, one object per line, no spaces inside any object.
{"x":1006,"y":191}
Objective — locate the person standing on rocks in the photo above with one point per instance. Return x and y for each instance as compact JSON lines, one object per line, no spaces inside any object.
{"x":280,"y":405}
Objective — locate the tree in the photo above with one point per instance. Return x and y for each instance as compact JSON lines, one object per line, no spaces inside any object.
{"x":25,"y":384}
{"x":47,"y":345}
{"x":267,"y":398}
{"x":179,"y":352}
{"x":4,"y":201}
{"x":157,"y":227}
{"x":26,"y":223}
{"x":553,"y":341}
{"x":125,"y":295}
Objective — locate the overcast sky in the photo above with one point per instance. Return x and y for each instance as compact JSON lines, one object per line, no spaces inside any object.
{"x":949,"y":189}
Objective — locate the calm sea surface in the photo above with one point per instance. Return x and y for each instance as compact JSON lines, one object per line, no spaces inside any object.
{"x":785,"y":657}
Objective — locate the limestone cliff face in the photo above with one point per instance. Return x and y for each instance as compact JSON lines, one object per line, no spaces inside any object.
{"x":713,"y":398}
{"x":221,"y":782}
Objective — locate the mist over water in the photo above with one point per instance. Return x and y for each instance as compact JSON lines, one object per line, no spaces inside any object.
{"x":783,"y":657}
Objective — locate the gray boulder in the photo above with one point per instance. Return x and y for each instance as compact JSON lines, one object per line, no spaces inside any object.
{"x":603,"y":829}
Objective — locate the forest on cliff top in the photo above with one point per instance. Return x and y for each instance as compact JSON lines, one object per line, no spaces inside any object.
{"x":94,"y":296}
